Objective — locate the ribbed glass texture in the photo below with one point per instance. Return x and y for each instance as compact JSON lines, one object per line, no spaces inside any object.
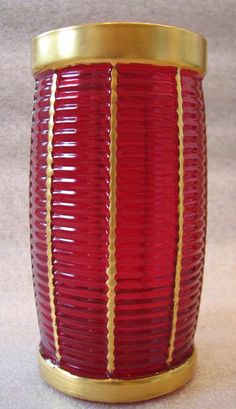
{"x":38,"y":165}
{"x":195,"y":200}
{"x":147,"y":216}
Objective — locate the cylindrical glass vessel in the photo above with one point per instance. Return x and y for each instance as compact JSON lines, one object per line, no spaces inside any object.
{"x":118,"y":207}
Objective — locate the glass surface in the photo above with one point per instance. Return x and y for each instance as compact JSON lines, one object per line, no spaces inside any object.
{"x":146,"y":221}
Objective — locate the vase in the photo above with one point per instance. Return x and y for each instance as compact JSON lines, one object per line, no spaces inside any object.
{"x":118,"y":207}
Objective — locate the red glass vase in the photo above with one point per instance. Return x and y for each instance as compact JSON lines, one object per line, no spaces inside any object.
{"x":118,"y":207}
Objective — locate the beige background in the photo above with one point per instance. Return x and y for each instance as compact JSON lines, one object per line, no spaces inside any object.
{"x":215,"y":382}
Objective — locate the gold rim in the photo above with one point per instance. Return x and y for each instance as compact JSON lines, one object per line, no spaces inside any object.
{"x":119,"y":42}
{"x":117,"y":390}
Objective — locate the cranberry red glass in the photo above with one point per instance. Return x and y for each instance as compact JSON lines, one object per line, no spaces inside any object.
{"x":153,"y":232}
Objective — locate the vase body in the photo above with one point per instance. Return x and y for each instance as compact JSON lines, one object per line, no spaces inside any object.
{"x":118,"y":224}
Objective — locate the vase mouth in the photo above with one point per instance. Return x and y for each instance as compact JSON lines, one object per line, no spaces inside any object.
{"x":118,"y":42}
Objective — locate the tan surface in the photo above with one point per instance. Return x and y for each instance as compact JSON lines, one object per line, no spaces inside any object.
{"x":214,"y":385}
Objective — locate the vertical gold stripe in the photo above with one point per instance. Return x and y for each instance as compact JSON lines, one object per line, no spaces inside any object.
{"x":49,"y":173}
{"x":181,"y":216}
{"x":111,"y":270}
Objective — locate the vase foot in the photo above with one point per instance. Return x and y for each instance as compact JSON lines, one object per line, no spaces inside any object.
{"x":117,"y":390}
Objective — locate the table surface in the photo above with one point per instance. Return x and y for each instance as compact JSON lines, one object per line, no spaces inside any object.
{"x":214,"y":384}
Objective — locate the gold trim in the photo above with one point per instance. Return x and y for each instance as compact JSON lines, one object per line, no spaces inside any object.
{"x":117,"y":390}
{"x":49,"y":173}
{"x":111,"y":270}
{"x":119,"y":42}
{"x":181,"y":216}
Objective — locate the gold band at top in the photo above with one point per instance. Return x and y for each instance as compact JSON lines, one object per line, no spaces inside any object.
{"x":49,"y":173}
{"x":119,"y":42}
{"x":181,"y":216}
{"x":111,"y":270}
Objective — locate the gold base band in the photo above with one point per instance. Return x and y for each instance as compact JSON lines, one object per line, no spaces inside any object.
{"x":117,"y":390}
{"x":119,"y":42}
